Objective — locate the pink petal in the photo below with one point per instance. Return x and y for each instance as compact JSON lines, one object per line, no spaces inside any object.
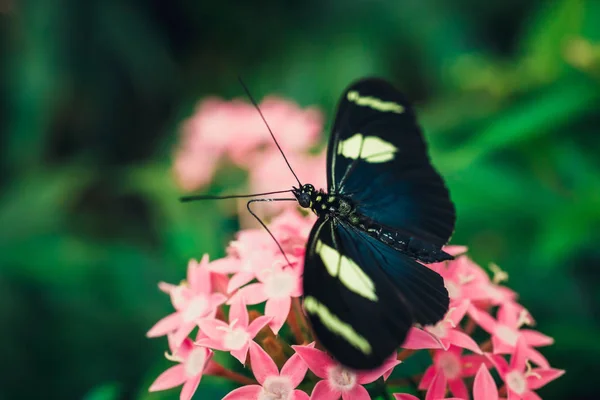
{"x":253,"y":293}
{"x":227,"y":265}
{"x":483,"y":319}
{"x":318,"y":361}
{"x":166,"y":287}
{"x":519,"y":357}
{"x":531,"y":396}
{"x":189,"y":388}
{"x":240,"y":354}
{"x":460,"y":339}
{"x":484,"y":387}
{"x":418,"y":339}
{"x":213,"y":328}
{"x":366,"y":377}
{"x":358,"y":392}
{"x":184,"y":330}
{"x":238,"y":312}
{"x":262,"y":364}
{"x":458,"y":388}
{"x":299,"y":395}
{"x":544,"y":377}
{"x":427,"y":377}
{"x":404,"y":396}
{"x":459,"y":312}
{"x":295,"y":368}
{"x":171,"y":378}
{"x":322,"y":391}
{"x":278,"y":309}
{"x":244,"y":393}
{"x":211,"y":344}
{"x":500,"y":363}
{"x":199,"y":276}
{"x":508,"y":315}
{"x":168,"y":324}
{"x":437,"y":389}
{"x":238,"y":280}
{"x":537,"y":358}
{"x":256,"y":325}
{"x":216,"y":299}
{"x":472,"y":362}
{"x":535,"y":338}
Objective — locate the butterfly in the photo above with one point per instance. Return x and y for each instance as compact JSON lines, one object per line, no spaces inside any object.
{"x":385,"y":209}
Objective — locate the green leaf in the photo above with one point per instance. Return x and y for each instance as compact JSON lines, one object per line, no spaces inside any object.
{"x":108,"y":391}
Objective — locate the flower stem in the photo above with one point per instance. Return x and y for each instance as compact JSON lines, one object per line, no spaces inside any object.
{"x":234,"y":376}
{"x":404,"y":354}
{"x":292,"y":320}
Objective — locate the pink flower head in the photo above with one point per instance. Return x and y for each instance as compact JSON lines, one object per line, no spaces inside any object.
{"x":449,"y":369}
{"x":484,"y":387}
{"x":339,"y":381}
{"x":277,"y":285}
{"x":506,"y":331}
{"x":192,"y":300}
{"x":193,"y":362}
{"x":234,"y":337}
{"x":274,"y":385}
{"x":446,"y":332}
{"x":520,"y":378}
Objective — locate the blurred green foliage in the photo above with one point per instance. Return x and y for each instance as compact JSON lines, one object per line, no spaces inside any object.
{"x":92,"y":95}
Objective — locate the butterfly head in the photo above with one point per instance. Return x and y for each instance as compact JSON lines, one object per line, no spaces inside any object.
{"x":304,"y":195}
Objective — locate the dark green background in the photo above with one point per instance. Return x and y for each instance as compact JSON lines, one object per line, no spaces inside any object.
{"x":92,"y":96}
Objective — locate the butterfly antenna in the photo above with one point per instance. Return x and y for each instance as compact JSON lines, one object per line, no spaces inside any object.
{"x":268,"y":127}
{"x":185,"y":199}
{"x":265,"y":225}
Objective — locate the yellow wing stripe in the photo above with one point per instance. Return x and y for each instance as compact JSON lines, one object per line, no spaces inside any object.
{"x":335,"y":325}
{"x":374,"y":103}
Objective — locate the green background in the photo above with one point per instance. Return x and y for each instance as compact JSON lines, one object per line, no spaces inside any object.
{"x":93,"y":93}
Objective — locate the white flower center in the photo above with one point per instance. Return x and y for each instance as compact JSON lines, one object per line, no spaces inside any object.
{"x":516,"y":382}
{"x":454,"y":290}
{"x":195,"y":309}
{"x":507,"y":335}
{"x":194,"y":365}
{"x":280,"y":284}
{"x":450,"y":365}
{"x":236,"y":338}
{"x":341,"y":379}
{"x":276,"y":388}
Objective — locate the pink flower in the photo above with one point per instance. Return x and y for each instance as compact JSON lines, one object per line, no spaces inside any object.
{"x":507,"y":331}
{"x":520,"y":378}
{"x":193,"y":362}
{"x":446,"y":331}
{"x":273,"y":384}
{"x":339,"y":381}
{"x":192,"y":300}
{"x":235,"y":336}
{"x":235,"y":129}
{"x":449,"y":368}
{"x":276,"y":286}
{"x":484,"y":387}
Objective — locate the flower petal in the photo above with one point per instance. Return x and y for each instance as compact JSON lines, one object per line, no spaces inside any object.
{"x":535,"y":338}
{"x":460,"y":339}
{"x":437,"y":389}
{"x":366,"y":377}
{"x":241,"y":354}
{"x":484,"y":387}
{"x":189,"y":388}
{"x":542,"y":376}
{"x":418,"y":339}
{"x":358,"y":392}
{"x":483,"y":319}
{"x":404,"y":396}
{"x":427,"y":377}
{"x":299,"y":395}
{"x":458,"y":388}
{"x":318,"y":361}
{"x":262,"y":364}
{"x":168,"y":324}
{"x":253,"y":293}
{"x":323,"y":391}
{"x":238,"y":312}
{"x":199,"y":276}
{"x":278,"y":309}
{"x":171,"y":378}
{"x":244,"y":393}
{"x":295,"y":368}
{"x":256,"y":325}
{"x":213,"y":328}
{"x":238,"y":280}
{"x":517,"y":361}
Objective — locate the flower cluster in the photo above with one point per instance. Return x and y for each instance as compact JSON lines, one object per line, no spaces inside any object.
{"x":233,"y":131}
{"x":240,"y":304}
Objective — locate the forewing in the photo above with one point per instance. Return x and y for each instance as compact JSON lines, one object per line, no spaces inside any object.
{"x":358,"y":292}
{"x":378,"y":157}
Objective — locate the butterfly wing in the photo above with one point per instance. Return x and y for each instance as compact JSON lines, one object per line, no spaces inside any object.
{"x":377,"y":157}
{"x":362,"y":296}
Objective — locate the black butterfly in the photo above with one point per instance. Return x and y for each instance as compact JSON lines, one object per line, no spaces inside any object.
{"x":384,"y":208}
